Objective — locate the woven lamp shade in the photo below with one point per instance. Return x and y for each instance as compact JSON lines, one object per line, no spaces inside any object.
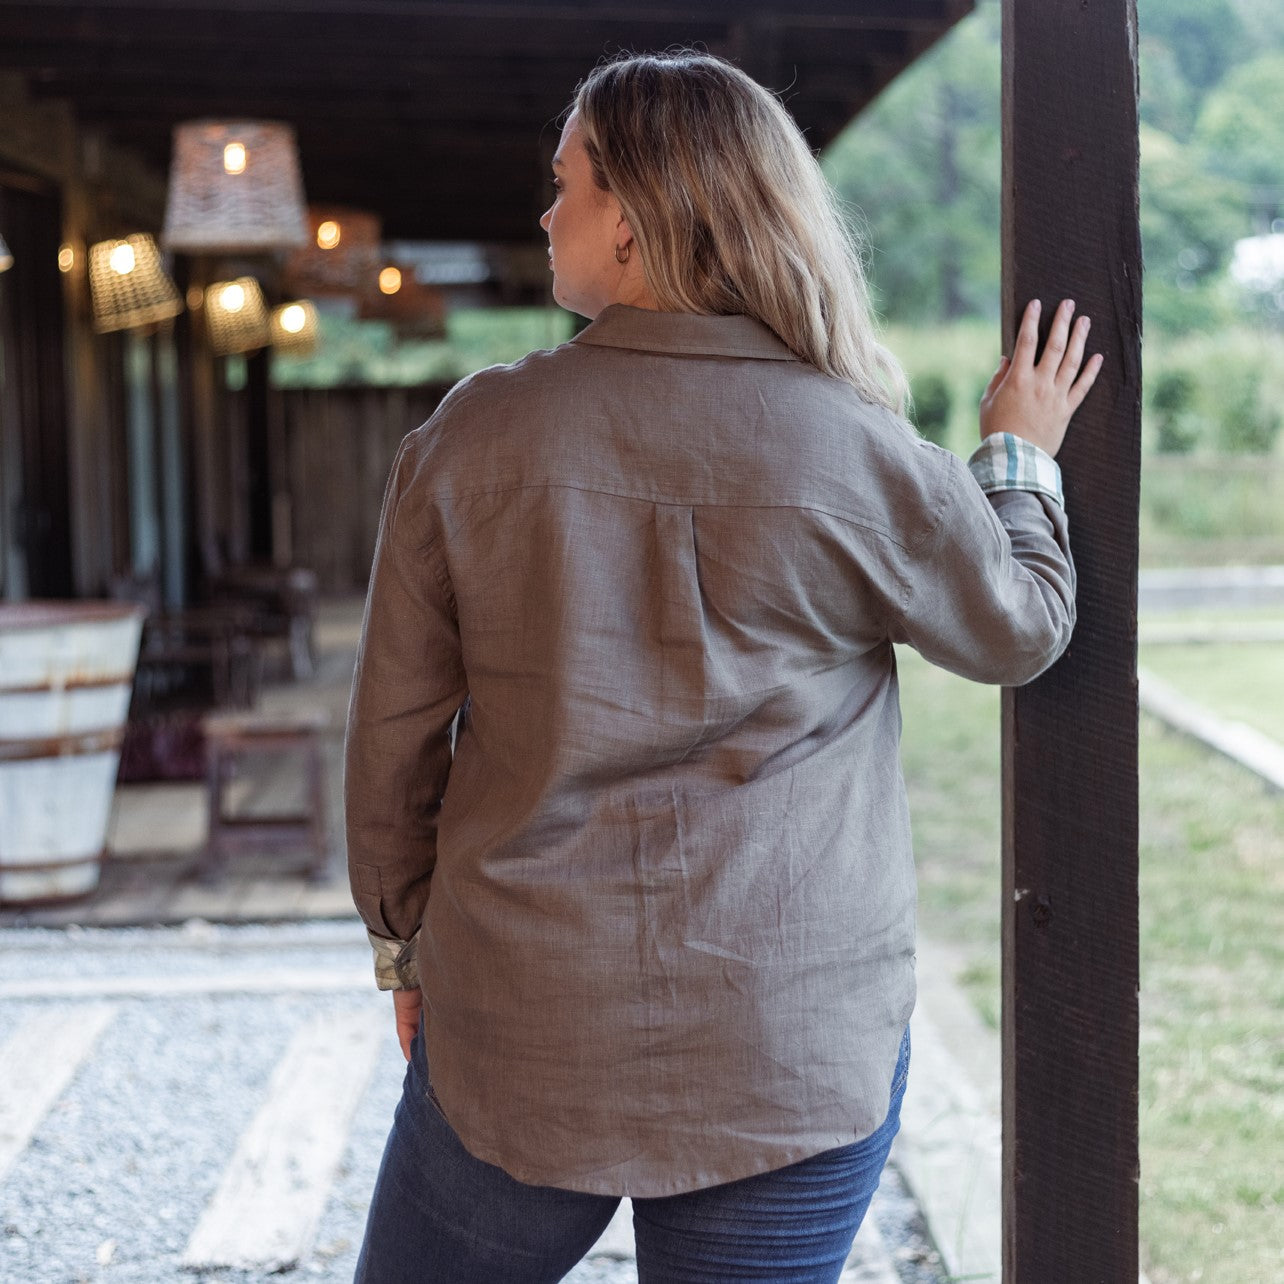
{"x":128,"y":284}
{"x":234,"y":186}
{"x":416,"y":310}
{"x":342,"y":255}
{"x":236,"y":316}
{"x":294,"y":328}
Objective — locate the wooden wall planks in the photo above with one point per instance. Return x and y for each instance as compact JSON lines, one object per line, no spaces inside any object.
{"x":339,"y":446}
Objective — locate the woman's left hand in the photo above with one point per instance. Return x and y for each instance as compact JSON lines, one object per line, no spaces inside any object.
{"x":1036,"y":401}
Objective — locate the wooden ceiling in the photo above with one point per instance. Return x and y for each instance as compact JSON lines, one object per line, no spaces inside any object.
{"x":439,"y":114}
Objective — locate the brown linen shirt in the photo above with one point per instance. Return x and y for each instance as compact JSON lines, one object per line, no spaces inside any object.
{"x":663,"y":868}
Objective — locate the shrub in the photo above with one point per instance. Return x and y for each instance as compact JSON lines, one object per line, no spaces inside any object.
{"x":1178,"y":424}
{"x":1248,"y":422}
{"x":931,"y":407}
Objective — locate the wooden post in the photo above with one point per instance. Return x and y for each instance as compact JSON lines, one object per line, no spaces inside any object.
{"x":1070,"y":229}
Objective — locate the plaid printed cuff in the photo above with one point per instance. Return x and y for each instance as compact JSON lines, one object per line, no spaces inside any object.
{"x":396,"y":963}
{"x":1005,"y":461}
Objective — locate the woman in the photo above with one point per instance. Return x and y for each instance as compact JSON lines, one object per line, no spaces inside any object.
{"x":649,"y":916}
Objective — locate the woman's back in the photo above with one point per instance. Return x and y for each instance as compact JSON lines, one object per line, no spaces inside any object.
{"x":674,"y":845}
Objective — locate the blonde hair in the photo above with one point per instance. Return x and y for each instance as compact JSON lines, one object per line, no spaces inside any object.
{"x":730,"y":211}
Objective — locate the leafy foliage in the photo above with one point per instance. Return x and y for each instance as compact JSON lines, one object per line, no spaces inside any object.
{"x":930,"y":411}
{"x":921,"y":166}
{"x":1249,"y":423}
{"x":1178,"y":424}
{"x":1240,"y":130}
{"x":1190,"y":220}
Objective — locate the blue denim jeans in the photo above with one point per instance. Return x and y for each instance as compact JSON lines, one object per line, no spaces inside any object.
{"x":440,"y":1216}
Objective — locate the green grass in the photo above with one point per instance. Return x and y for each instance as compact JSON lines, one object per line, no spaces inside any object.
{"x":1212,"y":899}
{"x":1205,"y":511}
{"x":1242,"y":681}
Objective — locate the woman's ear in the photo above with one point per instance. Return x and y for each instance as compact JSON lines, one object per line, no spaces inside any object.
{"x":623,"y":232}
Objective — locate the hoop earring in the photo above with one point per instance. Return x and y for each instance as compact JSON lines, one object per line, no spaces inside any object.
{"x":622,"y":254}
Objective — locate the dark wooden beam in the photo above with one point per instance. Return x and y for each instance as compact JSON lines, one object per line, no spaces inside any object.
{"x":1070,"y":970}
{"x":898,"y":14}
{"x":393,"y":98}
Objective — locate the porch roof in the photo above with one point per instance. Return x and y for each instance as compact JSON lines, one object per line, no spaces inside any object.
{"x":439,"y":114}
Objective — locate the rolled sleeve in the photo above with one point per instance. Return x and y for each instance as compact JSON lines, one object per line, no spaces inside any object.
{"x":1004,"y":461}
{"x":396,"y":963}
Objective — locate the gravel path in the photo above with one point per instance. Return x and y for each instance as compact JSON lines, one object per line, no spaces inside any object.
{"x":129,"y":1154}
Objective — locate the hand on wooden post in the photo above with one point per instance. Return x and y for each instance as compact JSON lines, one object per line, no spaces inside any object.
{"x":407,"y":1004}
{"x":1036,"y":400}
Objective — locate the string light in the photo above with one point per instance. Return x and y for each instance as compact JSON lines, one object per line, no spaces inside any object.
{"x":329,"y":234}
{"x":390,"y":280}
{"x":234,"y":158}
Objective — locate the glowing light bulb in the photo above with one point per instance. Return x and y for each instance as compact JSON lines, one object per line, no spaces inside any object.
{"x":121,"y":258}
{"x":232,"y":299}
{"x":66,"y":258}
{"x":328,"y":234}
{"x":293,"y":318}
{"x":390,"y":280}
{"x":234,"y":158}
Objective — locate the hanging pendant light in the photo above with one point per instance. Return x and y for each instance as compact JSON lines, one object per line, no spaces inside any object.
{"x":6,"y":259}
{"x":129,"y":286}
{"x":416,"y":310}
{"x":234,"y":186}
{"x":236,"y":316}
{"x":294,"y":328}
{"x":341,"y":255}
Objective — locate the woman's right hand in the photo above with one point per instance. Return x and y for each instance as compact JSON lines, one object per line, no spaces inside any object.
{"x":1036,"y":401}
{"x":407,"y":1005}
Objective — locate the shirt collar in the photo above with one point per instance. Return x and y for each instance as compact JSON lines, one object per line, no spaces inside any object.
{"x":621,"y":326}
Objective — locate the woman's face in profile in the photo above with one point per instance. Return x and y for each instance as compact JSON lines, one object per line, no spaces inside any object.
{"x":584,"y":227}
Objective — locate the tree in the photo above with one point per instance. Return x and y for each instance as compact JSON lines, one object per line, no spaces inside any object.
{"x":1189,"y":222}
{"x":1240,"y":129}
{"x":1168,"y":101}
{"x":921,"y":169}
{"x":1206,"y":37}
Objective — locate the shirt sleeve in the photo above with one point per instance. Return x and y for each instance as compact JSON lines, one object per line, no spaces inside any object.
{"x":408,"y":686}
{"x":991,"y":593}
